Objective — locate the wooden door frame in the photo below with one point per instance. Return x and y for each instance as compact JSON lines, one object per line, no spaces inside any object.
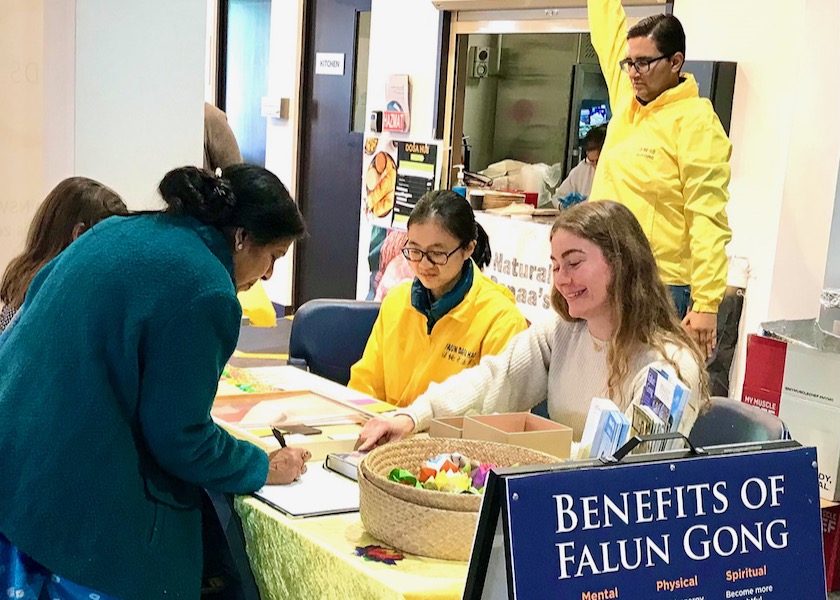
{"x":221,"y":53}
{"x":304,"y":77}
{"x":296,"y":116}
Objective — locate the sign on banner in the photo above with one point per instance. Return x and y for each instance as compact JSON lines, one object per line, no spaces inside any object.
{"x":521,"y":260}
{"x":725,"y":526}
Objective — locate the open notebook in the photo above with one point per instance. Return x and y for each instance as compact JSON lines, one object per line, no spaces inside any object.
{"x":318,"y":492}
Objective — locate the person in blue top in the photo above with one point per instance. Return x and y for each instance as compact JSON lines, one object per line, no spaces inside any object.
{"x":106,"y":382}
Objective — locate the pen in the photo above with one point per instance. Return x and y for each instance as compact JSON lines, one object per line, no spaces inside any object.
{"x":278,"y":435}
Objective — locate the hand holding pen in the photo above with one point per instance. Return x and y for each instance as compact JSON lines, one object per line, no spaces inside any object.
{"x":286,"y":464}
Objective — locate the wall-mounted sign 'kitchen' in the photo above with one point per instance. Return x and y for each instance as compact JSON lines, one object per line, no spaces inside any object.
{"x":329,"y":63}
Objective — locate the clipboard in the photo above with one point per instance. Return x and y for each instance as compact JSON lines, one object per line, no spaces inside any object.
{"x":319,"y":492}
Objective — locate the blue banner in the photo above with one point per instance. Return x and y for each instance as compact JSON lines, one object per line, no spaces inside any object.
{"x":744,"y":526}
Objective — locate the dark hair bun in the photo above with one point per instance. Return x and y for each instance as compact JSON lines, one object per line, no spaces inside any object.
{"x":196,"y":193}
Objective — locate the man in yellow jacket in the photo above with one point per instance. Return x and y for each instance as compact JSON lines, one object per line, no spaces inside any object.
{"x":666,"y":158}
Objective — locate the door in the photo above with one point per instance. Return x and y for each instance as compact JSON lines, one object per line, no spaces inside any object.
{"x":333,"y":120}
{"x":244,"y":81}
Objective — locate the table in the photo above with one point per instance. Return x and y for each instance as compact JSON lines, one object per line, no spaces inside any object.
{"x":521,"y":260}
{"x":319,"y":558}
{"x":333,"y":557}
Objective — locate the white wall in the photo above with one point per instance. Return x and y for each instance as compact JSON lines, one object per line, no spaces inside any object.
{"x":59,"y":103}
{"x":808,"y":200}
{"x":786,"y":144}
{"x":109,"y":90}
{"x":21,"y":120}
{"x":139,"y":92}
{"x":211,"y":51}
{"x":403,"y":41}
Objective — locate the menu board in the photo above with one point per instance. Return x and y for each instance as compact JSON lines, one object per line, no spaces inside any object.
{"x":416,"y":175}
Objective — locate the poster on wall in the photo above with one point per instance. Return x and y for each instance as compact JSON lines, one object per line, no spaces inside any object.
{"x":396,"y":174}
{"x":397,"y":116}
{"x":380,"y":179}
{"x":416,"y":175}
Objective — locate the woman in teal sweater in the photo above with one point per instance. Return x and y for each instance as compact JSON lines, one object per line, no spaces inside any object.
{"x":106,"y":382}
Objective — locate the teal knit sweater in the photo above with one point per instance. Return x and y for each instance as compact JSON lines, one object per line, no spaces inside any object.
{"x":106,"y":383}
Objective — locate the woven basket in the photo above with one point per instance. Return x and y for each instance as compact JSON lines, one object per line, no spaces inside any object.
{"x":425,"y":522}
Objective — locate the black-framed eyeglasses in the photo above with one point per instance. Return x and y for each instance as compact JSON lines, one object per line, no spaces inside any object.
{"x":436,"y":258}
{"x":642,"y":65}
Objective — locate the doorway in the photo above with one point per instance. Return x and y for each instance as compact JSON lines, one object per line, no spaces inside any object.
{"x":243,"y":75}
{"x":337,"y":34}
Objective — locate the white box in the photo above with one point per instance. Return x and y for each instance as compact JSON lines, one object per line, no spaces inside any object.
{"x":801,"y":386}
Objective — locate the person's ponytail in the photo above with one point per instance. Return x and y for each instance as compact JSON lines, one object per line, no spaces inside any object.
{"x":194,"y":192}
{"x":481,"y":255}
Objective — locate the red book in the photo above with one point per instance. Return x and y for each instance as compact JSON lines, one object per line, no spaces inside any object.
{"x":831,"y":547}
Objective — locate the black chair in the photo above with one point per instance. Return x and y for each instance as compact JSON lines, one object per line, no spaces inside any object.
{"x":731,"y":422}
{"x":329,"y":336}
{"x":541,"y":410}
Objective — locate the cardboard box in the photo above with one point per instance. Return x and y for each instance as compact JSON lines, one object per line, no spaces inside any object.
{"x":447,"y":427}
{"x":831,"y":547}
{"x":801,"y":386}
{"x":521,"y":429}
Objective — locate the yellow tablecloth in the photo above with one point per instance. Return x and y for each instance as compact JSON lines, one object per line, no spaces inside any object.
{"x":316,"y":559}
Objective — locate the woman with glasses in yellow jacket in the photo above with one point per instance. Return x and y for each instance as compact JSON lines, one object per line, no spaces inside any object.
{"x":448,"y":317}
{"x":666,"y":158}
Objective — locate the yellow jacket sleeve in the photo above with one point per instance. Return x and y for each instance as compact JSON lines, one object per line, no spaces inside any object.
{"x":503,"y":330}
{"x":257,"y":306}
{"x":608,"y":24}
{"x":703,"y":152}
{"x":368,"y":375}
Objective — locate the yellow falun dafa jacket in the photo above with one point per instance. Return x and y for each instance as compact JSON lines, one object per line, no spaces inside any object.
{"x":668,"y":162}
{"x":401,"y":359}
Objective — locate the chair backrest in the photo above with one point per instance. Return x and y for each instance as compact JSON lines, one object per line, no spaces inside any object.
{"x":329,"y":336}
{"x":730,"y":422}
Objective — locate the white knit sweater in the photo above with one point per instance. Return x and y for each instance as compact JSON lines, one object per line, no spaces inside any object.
{"x":558,"y":360}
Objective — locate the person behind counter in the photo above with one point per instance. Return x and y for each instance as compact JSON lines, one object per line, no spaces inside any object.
{"x":666,"y":158}
{"x":448,"y":317}
{"x":72,"y":207}
{"x":578,"y":185}
{"x":220,"y":147}
{"x":615,"y":320}
{"x":107,"y":377}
